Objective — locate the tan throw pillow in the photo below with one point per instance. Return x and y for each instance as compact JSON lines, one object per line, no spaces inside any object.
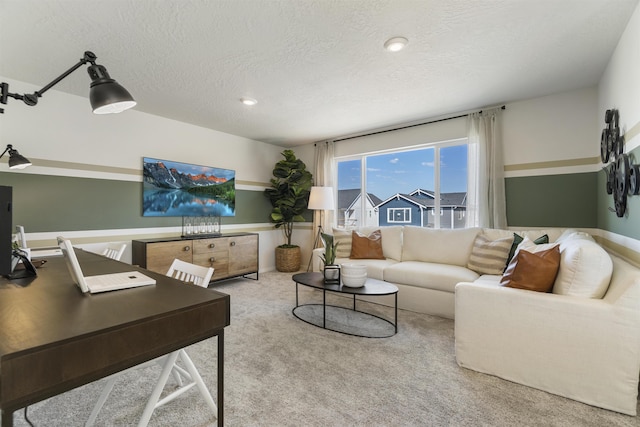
{"x":366,"y":247}
{"x":343,"y":238}
{"x":533,"y":271}
{"x":489,"y":256}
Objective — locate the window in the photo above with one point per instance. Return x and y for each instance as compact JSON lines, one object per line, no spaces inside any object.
{"x":404,"y":187}
{"x":401,"y":215}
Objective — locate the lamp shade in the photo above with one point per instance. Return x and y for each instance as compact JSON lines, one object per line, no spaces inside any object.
{"x":16,"y":161}
{"x":321,"y":198}
{"x":105,"y":94}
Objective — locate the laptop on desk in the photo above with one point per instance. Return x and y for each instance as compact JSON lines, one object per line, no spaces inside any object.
{"x":103,"y":282}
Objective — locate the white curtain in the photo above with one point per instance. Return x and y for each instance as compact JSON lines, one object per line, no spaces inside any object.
{"x":486,"y":206}
{"x":323,"y":176}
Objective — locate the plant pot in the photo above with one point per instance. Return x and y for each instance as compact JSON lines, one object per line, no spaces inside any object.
{"x":331,"y":274}
{"x":288,"y":258}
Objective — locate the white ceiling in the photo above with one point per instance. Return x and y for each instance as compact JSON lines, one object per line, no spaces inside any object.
{"x":317,"y":67}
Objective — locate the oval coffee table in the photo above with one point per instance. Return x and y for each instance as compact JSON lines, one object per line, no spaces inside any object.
{"x":345,"y":320}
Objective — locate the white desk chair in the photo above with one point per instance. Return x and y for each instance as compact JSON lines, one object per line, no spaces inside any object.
{"x":114,"y":250}
{"x":185,"y":272}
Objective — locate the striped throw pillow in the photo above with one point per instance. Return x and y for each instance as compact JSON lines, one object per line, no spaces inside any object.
{"x":343,"y":238}
{"x":489,"y":256}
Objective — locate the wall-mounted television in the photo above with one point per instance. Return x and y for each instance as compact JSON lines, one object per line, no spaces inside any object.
{"x":182,"y":189}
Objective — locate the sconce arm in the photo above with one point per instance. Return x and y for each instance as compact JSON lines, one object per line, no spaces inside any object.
{"x":32,"y":98}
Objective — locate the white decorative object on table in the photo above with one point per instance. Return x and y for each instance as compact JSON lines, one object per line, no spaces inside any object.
{"x":354,"y":275}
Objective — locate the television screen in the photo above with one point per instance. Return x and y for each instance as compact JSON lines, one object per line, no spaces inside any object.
{"x":181,"y":189}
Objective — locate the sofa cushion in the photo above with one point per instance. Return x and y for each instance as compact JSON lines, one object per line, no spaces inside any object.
{"x":489,"y":256}
{"x":391,"y":240}
{"x":343,"y":238}
{"x":533,"y":271}
{"x":438,"y":245}
{"x":375,"y":267}
{"x":441,"y":277}
{"x":585,"y":268}
{"x":366,"y":247}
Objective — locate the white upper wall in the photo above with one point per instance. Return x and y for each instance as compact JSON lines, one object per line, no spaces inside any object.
{"x":554,"y":128}
{"x":62,"y":128}
{"x":551,"y":128}
{"x":620,"y":84}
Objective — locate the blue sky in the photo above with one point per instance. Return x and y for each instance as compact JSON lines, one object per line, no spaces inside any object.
{"x":403,"y":172}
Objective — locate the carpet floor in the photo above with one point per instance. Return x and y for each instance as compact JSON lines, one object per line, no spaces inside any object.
{"x":281,"y":371}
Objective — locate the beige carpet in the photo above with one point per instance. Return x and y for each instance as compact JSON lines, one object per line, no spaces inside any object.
{"x":280,"y":371}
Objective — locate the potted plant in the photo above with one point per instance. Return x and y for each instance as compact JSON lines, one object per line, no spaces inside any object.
{"x":331,"y":270}
{"x":289,"y":196}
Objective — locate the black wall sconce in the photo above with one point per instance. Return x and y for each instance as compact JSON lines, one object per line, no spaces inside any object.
{"x":623,"y":177}
{"x":16,"y":161}
{"x":105,"y":94}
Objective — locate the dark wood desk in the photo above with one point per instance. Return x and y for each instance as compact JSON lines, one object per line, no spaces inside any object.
{"x":53,"y":338}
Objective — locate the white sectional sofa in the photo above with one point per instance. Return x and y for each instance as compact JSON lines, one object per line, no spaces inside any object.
{"x":580,"y":341}
{"x":426,"y":264}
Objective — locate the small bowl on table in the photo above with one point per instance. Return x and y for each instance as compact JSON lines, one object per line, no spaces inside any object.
{"x":353,"y":275}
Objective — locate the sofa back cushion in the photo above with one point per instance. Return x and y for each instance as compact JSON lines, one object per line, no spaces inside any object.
{"x":585,"y":268}
{"x":343,"y":239}
{"x":438,"y":245}
{"x":391,"y":238}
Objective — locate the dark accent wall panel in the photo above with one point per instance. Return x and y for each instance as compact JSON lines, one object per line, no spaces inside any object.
{"x":552,"y":200}
{"x":629,"y":224}
{"x":56,"y":203}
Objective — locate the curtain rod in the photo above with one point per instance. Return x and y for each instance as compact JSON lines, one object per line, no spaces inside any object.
{"x":409,"y":126}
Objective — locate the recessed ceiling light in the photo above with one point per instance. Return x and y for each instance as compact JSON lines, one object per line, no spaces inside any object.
{"x":248,"y":101}
{"x":395,"y":44}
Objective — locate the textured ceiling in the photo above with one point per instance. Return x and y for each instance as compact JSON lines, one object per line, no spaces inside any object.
{"x":317,"y":67}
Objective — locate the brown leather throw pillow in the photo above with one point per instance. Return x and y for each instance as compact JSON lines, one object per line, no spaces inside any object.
{"x":533,"y":271}
{"x":366,"y":247}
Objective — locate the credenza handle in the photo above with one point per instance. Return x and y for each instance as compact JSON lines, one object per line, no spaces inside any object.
{"x":187,"y":248}
{"x":233,"y":243}
{"x":212,"y":260}
{"x":212,"y":245}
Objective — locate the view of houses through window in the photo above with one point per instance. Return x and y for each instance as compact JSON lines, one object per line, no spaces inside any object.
{"x":425,"y":187}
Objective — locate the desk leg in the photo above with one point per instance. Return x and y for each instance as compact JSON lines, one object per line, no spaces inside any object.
{"x":324,"y":308}
{"x":7,"y":418}
{"x":220,"y":378}
{"x":396,"y":313}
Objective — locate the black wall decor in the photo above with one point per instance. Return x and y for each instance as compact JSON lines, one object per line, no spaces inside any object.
{"x":623,"y":177}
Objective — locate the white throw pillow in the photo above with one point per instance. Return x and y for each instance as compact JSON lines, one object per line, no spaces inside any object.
{"x":585,"y":268}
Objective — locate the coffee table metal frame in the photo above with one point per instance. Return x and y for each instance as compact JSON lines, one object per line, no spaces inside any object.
{"x":372,"y":287}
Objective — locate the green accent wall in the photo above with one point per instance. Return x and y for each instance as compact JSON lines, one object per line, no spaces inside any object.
{"x":44,"y":203}
{"x":628,"y":225}
{"x":567,"y":200}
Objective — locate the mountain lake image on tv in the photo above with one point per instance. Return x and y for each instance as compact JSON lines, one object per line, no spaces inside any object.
{"x":181,"y":189}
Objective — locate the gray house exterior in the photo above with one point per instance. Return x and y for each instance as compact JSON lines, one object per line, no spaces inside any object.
{"x":417,"y":208}
{"x":350,"y":207}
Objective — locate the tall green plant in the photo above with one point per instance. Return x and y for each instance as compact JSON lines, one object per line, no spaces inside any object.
{"x":289,"y":193}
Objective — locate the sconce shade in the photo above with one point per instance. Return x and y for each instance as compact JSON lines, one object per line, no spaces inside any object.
{"x":321,"y":198}
{"x":106,"y":95}
{"x":16,"y":161}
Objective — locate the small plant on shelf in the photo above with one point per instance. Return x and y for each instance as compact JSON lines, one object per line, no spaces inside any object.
{"x":329,"y":256}
{"x":331,"y":271}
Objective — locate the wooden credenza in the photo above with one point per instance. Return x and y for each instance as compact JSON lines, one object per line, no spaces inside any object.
{"x":230,"y":255}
